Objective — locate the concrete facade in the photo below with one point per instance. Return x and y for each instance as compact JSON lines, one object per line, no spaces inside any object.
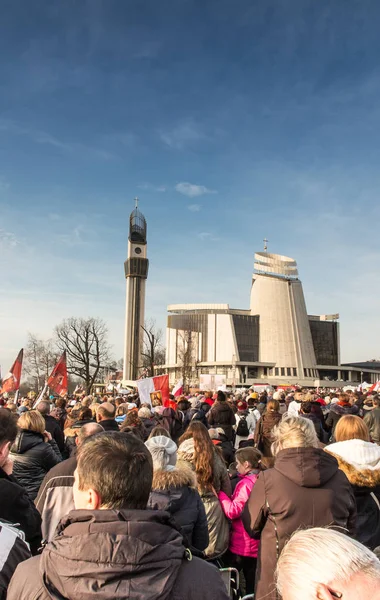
{"x":274,"y":341}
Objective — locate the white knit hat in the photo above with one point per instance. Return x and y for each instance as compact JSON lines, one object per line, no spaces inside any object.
{"x":163,"y":451}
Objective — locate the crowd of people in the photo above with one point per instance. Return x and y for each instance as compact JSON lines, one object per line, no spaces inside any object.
{"x":113,"y":497}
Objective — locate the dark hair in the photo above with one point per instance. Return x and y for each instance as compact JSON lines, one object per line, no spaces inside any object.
{"x":251,"y":455}
{"x":60,"y":403}
{"x":8,"y":426}
{"x":109,"y":463}
{"x":306,"y":407}
{"x":221,"y":396}
{"x":84,"y":414}
{"x":159,"y":430}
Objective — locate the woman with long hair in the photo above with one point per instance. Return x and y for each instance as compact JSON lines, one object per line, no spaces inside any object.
{"x":359,"y":459}
{"x":132,"y":420}
{"x":196,"y":448}
{"x":264,"y":428}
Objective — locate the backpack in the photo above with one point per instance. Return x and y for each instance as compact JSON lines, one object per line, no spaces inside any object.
{"x":242,"y":428}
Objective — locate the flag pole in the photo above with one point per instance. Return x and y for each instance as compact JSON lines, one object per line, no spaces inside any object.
{"x":16,"y":396}
{"x":40,"y":397}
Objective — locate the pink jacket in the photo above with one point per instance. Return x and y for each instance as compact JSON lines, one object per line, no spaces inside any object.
{"x":240,"y":542}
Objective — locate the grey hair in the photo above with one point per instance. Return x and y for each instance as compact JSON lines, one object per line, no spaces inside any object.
{"x":144,"y":413}
{"x":294,"y":432}
{"x":322,"y":556}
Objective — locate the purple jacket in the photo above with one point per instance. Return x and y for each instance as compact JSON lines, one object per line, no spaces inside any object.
{"x":240,"y":542}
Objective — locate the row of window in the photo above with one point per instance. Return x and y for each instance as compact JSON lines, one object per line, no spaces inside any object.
{"x":288,"y":372}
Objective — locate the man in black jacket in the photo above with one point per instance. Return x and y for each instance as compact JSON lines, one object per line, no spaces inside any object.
{"x":52,"y":425}
{"x":105,"y":415}
{"x":15,"y":504}
{"x":111,"y":547}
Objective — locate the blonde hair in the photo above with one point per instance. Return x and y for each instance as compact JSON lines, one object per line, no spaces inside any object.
{"x":294,"y":432}
{"x":322,"y":556}
{"x":350,"y":427}
{"x":32,"y":421}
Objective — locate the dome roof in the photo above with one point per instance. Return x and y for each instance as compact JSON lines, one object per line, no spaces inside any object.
{"x":137,"y":227}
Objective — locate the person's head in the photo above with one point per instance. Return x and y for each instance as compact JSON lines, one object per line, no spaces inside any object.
{"x":350,"y":427}
{"x":84,"y":414}
{"x":242,"y":406}
{"x":325,"y":564}
{"x":203,"y":457}
{"x":105,"y":476}
{"x":294,"y":432}
{"x":213,"y":433}
{"x":32,"y":421}
{"x":86,"y":431}
{"x":105,"y":412}
{"x":60,"y":403}
{"x":247,"y":459}
{"x":144,"y":413}
{"x":299,"y":396}
{"x":163,"y":451}
{"x":87,"y":401}
{"x":43,"y":407}
{"x":8,"y":433}
{"x":344,"y":398}
{"x":12,"y":407}
{"x":121,"y":410}
{"x":94,"y":409}
{"x":273,"y":406}
{"x":132,"y":419}
{"x":376,"y":401}
{"x":306,"y":407}
{"x":221,"y":396}
{"x":159,"y":430}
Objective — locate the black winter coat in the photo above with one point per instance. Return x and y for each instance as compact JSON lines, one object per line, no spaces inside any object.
{"x":222,"y":415}
{"x":33,"y":458}
{"x":337,"y":411}
{"x":54,"y":428}
{"x":174,"y":491}
{"x":17,"y":507}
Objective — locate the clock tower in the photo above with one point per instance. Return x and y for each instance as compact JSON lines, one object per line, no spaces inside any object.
{"x":136,"y":272}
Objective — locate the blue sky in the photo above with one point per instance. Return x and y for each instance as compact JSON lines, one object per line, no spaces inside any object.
{"x":230,"y":120}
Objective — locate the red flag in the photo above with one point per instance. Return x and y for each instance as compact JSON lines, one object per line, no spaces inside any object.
{"x":11,"y":382}
{"x":58,"y":378}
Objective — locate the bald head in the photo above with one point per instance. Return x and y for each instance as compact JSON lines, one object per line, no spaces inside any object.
{"x":105,"y":411}
{"x":86,"y":431}
{"x":43,"y":407}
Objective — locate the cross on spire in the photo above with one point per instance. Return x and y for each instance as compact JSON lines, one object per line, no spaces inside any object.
{"x":265,"y":244}
{"x":136,"y":202}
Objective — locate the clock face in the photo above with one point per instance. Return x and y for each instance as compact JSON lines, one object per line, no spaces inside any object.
{"x":137,"y":250}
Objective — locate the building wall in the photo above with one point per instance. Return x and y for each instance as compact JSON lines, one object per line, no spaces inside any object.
{"x":325,"y":336}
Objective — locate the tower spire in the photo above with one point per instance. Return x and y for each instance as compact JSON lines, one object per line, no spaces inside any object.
{"x":265,"y":244}
{"x":136,"y":202}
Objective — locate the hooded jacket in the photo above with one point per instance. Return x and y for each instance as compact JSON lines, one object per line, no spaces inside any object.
{"x":337,"y":411}
{"x":113,"y":555}
{"x":304,"y":489}
{"x":263,"y":432}
{"x":175,"y":492}
{"x":372,"y":420}
{"x":222,"y":415}
{"x":240,"y":542}
{"x":360,"y":462}
{"x":33,"y":458}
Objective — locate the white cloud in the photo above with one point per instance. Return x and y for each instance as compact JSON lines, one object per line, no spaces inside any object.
{"x":191,"y":190}
{"x":207,"y":235}
{"x":182,"y":135}
{"x":194,"y":207}
{"x":73,"y":238}
{"x":8,"y":239}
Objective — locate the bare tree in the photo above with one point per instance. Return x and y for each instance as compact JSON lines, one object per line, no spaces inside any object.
{"x":153,"y":351}
{"x":40,"y":358}
{"x":86,"y":345}
{"x":187,"y":356}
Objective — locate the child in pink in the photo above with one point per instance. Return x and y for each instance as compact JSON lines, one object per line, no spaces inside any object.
{"x":243,"y":550}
